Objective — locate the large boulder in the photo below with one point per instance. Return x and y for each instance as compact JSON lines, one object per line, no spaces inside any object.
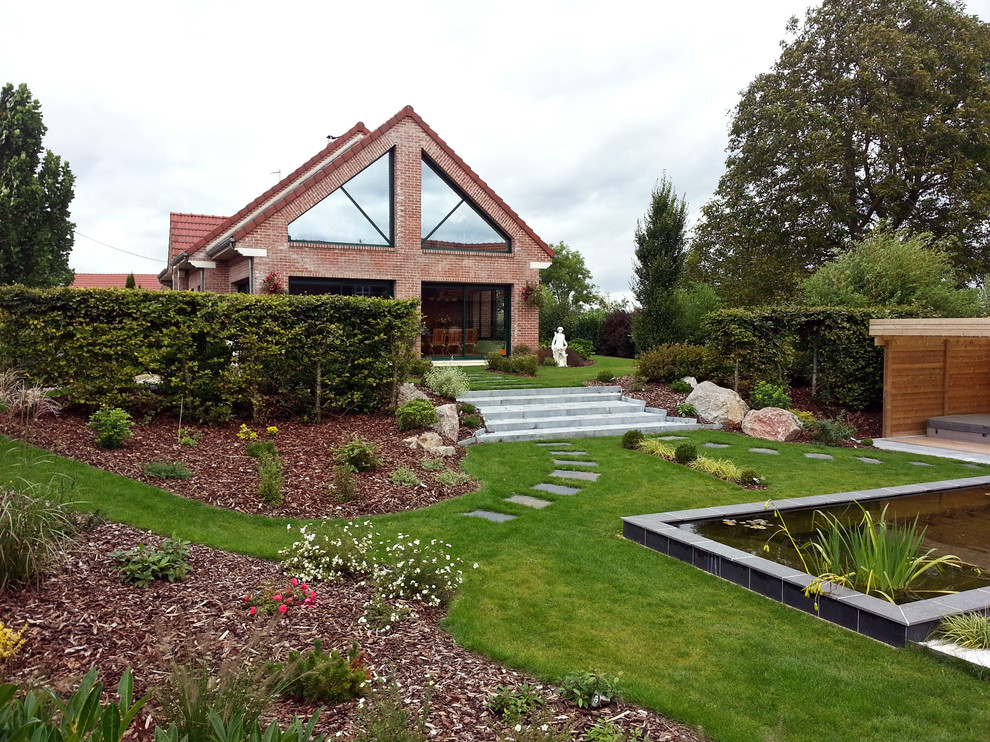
{"x":449,"y":423}
{"x":717,"y":404}
{"x":409,"y":392}
{"x":431,"y":443}
{"x":772,"y":423}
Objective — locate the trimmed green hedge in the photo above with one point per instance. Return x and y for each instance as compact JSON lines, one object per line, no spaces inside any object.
{"x":215,"y":354}
{"x":829,"y":346}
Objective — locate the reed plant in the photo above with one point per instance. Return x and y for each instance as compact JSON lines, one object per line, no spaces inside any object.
{"x":970,"y":630}
{"x":658,"y":448}
{"x":36,"y":525}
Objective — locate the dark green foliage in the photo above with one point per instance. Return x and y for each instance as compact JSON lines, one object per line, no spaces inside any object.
{"x":344,"y":486}
{"x":584,"y":348}
{"x":143,"y":564}
{"x":526,"y":365}
{"x":750,"y":476}
{"x":467,"y":408}
{"x":694,"y":302}
{"x":271,"y":479}
{"x":867,"y":441}
{"x":632,"y":438}
{"x":130,"y":283}
{"x":843,"y":363}
{"x":660,"y":242}
{"x":617,"y":338}
{"x":260,"y":449}
{"x":685,"y":453}
{"x":605,"y":376}
{"x":35,"y":193}
{"x":419,"y":366}
{"x":472,"y":421}
{"x":831,"y":432}
{"x":667,"y":363}
{"x":681,"y":387}
{"x":685,"y":409}
{"x":358,"y":453}
{"x":568,"y":278}
{"x":768,"y":395}
{"x":166,"y":470}
{"x":513,"y":704}
{"x":875,"y":110}
{"x":318,"y":677}
{"x":111,"y":425}
{"x":296,"y":354}
{"x":417,"y":413}
{"x":590,"y":689}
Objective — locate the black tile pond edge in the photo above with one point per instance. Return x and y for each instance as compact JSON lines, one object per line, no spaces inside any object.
{"x":873,"y":617}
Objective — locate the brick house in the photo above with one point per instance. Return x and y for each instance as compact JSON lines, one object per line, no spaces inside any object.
{"x":392,"y":212}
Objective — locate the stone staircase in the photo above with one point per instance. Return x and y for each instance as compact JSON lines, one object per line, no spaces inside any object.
{"x":567,"y":412}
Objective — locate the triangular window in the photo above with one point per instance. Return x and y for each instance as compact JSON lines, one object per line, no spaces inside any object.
{"x":357,"y":213}
{"x":451,"y":221}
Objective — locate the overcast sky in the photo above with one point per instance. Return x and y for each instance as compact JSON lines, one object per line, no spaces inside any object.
{"x":569,"y":110}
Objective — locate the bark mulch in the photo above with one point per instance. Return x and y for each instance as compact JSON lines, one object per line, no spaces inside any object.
{"x":85,"y":615}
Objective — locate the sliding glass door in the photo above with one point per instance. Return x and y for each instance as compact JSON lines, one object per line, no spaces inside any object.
{"x":465,"y":320}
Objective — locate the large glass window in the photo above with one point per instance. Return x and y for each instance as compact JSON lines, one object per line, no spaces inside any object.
{"x":451,"y":221}
{"x":465,"y":320}
{"x":357,"y":213}
{"x":341,"y":286}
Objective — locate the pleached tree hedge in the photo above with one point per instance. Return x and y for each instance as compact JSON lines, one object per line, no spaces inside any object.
{"x":214,"y":355}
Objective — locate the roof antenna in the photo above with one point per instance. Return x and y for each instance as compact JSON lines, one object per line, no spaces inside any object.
{"x":331,"y":137}
{"x":276,"y":172}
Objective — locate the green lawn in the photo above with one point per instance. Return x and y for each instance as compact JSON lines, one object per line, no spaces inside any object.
{"x":550,"y":376}
{"x":558,"y":589}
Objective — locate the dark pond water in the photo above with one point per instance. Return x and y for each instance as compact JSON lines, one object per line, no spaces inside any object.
{"x":956,"y":522}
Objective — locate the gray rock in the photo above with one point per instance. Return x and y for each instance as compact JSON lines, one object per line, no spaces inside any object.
{"x":718,"y":405}
{"x":449,"y":423}
{"x":690,"y":380}
{"x":409,"y":392}
{"x":430,"y":442}
{"x":772,"y":423}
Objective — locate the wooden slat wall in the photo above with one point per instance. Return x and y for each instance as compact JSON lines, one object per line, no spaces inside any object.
{"x":931,"y":376}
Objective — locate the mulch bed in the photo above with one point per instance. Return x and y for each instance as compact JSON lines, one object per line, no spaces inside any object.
{"x":85,"y":616}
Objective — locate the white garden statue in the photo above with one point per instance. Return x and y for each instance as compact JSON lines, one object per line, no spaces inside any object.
{"x":559,"y":347}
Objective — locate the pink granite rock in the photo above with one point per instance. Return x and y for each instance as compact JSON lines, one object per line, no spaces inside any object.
{"x":771,"y":423}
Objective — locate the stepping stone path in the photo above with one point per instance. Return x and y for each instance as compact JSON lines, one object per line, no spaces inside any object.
{"x":764,"y":450}
{"x":821,"y":456}
{"x":868,"y":460}
{"x":715,"y":445}
{"x":589,"y":476}
{"x":568,"y":453}
{"x":557,"y":489}
{"x":919,"y":463}
{"x":489,"y":515}
{"x":562,"y":462}
{"x":530,"y":502}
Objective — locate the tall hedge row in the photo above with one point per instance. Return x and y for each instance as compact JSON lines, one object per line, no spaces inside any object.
{"x":830,"y":347}
{"x":216,"y":354}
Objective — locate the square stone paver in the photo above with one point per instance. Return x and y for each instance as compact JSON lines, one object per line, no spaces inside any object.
{"x":589,"y":476}
{"x":568,"y":453}
{"x":971,"y":466}
{"x":673,"y":438}
{"x":489,"y":515}
{"x":868,"y":460}
{"x":575,"y":463}
{"x":557,"y":489}
{"x":920,"y":463}
{"x":558,"y":443}
{"x":821,"y":456}
{"x":715,"y":445}
{"x":764,"y":450}
{"x":530,"y":502}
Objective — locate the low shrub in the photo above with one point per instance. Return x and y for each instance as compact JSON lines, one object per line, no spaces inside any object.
{"x":867,"y":441}
{"x":472,"y":421}
{"x":970,"y":630}
{"x":512,"y":704}
{"x":111,"y":425}
{"x":358,"y":453}
{"x":271,"y":479}
{"x":467,"y":408}
{"x":658,"y":448}
{"x":637,"y":385}
{"x":166,"y":470}
{"x":584,"y":348}
{"x":144,"y":564}
{"x":447,"y":381}
{"x":750,"y":476}
{"x":188,"y":438}
{"x":36,"y":525}
{"x":590,"y":689}
{"x":831,"y":432}
{"x":685,"y":453}
{"x":685,"y":409}
{"x":452,"y":478}
{"x":525,"y":364}
{"x":666,"y":363}
{"x":522,"y":350}
{"x":605,"y":375}
{"x":404,"y":476}
{"x":804,"y":417}
{"x":280,"y":598}
{"x":432,"y":464}
{"x":632,"y":438}
{"x":419,"y":366}
{"x":417,"y":413}
{"x":329,"y":557}
{"x":721,"y":468}
{"x":343,"y":485}
{"x":318,"y":677}
{"x":387,"y":717}
{"x":10,"y":642}
{"x":681,"y":387}
{"x":380,"y":615}
{"x":765,"y":394}
{"x":258,"y":449}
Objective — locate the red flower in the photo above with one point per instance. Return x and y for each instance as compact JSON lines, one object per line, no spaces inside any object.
{"x":283,"y":608}
{"x":253,"y":610}
{"x":247,"y":598}
{"x":293,"y":582}
{"x":277,"y":598}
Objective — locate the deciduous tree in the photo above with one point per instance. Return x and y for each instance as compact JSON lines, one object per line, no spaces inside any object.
{"x":876,"y":110}
{"x":36,"y":188}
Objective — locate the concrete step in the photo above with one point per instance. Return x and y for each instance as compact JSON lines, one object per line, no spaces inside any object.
{"x":552,"y":392}
{"x":538,"y":397}
{"x":580,"y":432}
{"x":631,"y":420}
{"x":559,"y":410}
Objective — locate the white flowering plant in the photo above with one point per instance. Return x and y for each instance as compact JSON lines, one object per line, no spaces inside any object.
{"x":406,"y":569}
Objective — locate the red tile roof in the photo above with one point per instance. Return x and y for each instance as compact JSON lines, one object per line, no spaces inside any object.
{"x":115,"y":280}
{"x":303,"y":179}
{"x":186,"y":229}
